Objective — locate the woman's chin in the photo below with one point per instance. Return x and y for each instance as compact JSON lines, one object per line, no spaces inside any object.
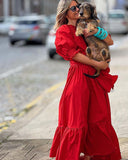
{"x":77,"y":17}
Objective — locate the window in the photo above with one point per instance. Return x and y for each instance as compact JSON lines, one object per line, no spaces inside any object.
{"x":116,"y":15}
{"x":27,"y":22}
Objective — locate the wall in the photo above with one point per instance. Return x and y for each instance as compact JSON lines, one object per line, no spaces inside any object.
{"x":1,"y":8}
{"x":103,"y":5}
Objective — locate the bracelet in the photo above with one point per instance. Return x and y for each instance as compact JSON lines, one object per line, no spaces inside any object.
{"x":105,"y":35}
{"x":101,"y":33}
{"x":98,"y":32}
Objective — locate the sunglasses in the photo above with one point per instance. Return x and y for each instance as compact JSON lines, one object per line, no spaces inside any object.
{"x":73,"y":8}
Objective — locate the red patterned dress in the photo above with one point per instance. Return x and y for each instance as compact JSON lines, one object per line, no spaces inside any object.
{"x":84,"y":124}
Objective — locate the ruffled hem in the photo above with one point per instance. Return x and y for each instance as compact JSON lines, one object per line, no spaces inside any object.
{"x":99,"y":140}
{"x":68,"y":143}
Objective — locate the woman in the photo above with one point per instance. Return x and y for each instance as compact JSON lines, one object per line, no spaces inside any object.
{"x":84,"y":124}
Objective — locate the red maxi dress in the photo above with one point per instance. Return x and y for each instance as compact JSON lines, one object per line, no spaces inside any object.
{"x":84,"y":124}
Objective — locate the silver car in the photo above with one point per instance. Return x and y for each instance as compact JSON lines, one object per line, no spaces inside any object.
{"x":117,"y":21}
{"x":29,"y":28}
{"x":5,"y":24}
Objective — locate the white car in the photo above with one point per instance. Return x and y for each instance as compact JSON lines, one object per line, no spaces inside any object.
{"x":5,"y":25}
{"x":117,"y":21}
{"x":50,"y":43}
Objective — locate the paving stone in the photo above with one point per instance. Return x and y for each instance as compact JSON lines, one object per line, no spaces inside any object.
{"x":25,"y":149}
{"x":39,"y":149}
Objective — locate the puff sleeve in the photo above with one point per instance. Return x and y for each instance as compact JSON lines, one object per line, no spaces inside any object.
{"x":65,"y":43}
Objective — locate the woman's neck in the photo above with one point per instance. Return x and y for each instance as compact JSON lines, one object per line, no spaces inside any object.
{"x":73,"y":23}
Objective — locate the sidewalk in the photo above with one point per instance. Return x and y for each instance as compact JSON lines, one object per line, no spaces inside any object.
{"x":31,"y":137}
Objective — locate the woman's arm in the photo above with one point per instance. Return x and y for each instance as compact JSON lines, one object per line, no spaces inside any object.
{"x":108,"y":39}
{"x":79,"y":57}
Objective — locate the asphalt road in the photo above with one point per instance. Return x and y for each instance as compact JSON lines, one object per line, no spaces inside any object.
{"x":25,"y":71}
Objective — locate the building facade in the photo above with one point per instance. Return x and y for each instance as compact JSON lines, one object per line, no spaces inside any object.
{"x":120,"y":4}
{"x":126,"y":5}
{"x":26,"y":7}
{"x":1,"y":8}
{"x":104,"y":5}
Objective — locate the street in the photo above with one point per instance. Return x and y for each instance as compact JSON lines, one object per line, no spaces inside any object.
{"x":26,"y":71}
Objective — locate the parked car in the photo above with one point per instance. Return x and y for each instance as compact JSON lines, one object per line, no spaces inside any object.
{"x":50,"y":43}
{"x":29,"y":28}
{"x":117,"y":21}
{"x":5,"y":24}
{"x":1,"y":19}
{"x":52,"y":19}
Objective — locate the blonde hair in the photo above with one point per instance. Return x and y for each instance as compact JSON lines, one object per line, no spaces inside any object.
{"x":61,"y":13}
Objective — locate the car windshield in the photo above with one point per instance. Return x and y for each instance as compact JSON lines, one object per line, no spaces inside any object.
{"x":116,"y":15}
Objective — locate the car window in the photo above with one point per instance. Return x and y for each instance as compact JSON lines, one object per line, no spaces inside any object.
{"x":41,"y":22}
{"x":1,"y":20}
{"x":116,"y":15}
{"x":27,"y":22}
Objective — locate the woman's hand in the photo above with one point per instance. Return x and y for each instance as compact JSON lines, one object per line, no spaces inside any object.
{"x":108,"y":40}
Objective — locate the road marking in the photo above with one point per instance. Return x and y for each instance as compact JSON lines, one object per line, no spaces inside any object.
{"x":18,"y":69}
{"x":53,"y":88}
{"x":5,"y":125}
{"x":49,"y":90}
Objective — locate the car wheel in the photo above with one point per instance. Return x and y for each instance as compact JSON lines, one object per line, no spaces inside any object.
{"x":12,"y":42}
{"x":51,"y":55}
{"x":125,"y":33}
{"x":43,"y":42}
